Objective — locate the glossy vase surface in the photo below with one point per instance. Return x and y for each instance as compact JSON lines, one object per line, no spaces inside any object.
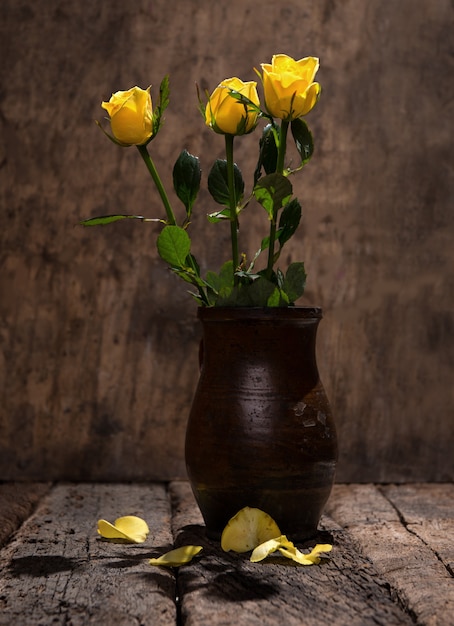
{"x":260,"y":431}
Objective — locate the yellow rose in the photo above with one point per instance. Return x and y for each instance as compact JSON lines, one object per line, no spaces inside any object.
{"x":288,"y":85}
{"x":131,"y":115}
{"x":227,"y":115}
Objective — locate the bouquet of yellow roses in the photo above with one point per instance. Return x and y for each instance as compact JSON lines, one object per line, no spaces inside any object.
{"x":233,"y":109}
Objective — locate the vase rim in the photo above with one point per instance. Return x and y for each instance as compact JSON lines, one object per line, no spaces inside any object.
{"x":226,"y":313}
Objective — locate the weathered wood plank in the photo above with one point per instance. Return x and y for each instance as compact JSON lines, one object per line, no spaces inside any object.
{"x":56,"y":569}
{"x":421,"y":582}
{"x":221,"y":589}
{"x":17,"y":501}
{"x":428,"y":512}
{"x":98,"y":341}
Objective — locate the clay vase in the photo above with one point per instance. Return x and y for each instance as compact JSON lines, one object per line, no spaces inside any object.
{"x":260,"y":431}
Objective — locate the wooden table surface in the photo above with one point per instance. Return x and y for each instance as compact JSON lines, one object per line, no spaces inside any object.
{"x":392,"y":561}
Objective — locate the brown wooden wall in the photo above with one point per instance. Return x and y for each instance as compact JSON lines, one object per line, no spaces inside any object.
{"x":98,"y":342}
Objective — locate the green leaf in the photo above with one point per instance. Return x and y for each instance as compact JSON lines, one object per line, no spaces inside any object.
{"x":251,"y":106}
{"x":213,"y":280}
{"x":174,"y":245}
{"x":189,"y":276}
{"x":226,"y":273}
{"x":109,"y":219}
{"x":164,"y":92}
{"x":303,"y":139}
{"x":222,"y":281}
{"x":218,"y":183}
{"x":190,"y":273}
{"x":275,"y":298}
{"x":219,"y":216}
{"x":259,"y":291}
{"x":289,"y":221}
{"x":186,"y":179}
{"x":267,"y":152}
{"x":273,"y":191}
{"x":256,"y":293}
{"x":191,"y":261}
{"x":265,"y":244}
{"x":295,"y":281}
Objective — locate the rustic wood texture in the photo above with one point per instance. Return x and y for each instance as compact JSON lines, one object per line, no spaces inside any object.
{"x":57,"y":570}
{"x":428,"y":512}
{"x":392,"y":527}
{"x":223,"y":588}
{"x":98,"y":342}
{"x":382,"y":570}
{"x":17,"y":501}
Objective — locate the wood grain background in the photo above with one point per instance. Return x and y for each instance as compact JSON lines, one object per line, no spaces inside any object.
{"x":98,"y":342}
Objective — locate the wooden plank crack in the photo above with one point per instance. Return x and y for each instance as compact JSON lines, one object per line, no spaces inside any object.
{"x":427,"y":511}
{"x":407,"y":531}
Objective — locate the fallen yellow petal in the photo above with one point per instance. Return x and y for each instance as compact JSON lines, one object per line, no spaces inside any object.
{"x":268,"y":547}
{"x":179,"y":556}
{"x":305,"y":559}
{"x":129,"y":529}
{"x":289,"y":550}
{"x":248,"y":529}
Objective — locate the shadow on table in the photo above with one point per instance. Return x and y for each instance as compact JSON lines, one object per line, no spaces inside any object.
{"x":36,"y":566}
{"x":229,"y":576}
{"x":44,"y":565}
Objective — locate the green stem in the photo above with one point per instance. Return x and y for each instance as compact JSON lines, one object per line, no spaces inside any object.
{"x":279,"y":170}
{"x":282,"y":147}
{"x":232,"y":199}
{"x":170,"y":216}
{"x":159,"y":186}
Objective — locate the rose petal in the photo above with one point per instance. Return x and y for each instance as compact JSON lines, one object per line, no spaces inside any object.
{"x":289,"y":550}
{"x":268,"y":547}
{"x":248,"y":529}
{"x":305,"y":559}
{"x":129,"y":529}
{"x":177,"y":557}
